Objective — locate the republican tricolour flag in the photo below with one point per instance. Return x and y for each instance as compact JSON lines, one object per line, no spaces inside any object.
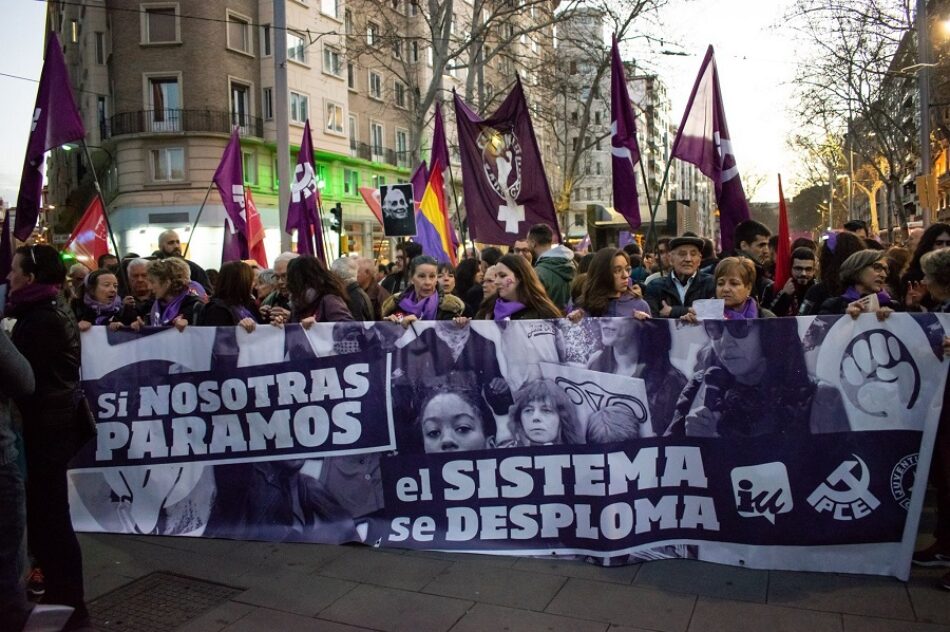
{"x":89,"y":240}
{"x":433,"y":230}
{"x":624,"y":149}
{"x":703,"y":140}
{"x":229,"y":178}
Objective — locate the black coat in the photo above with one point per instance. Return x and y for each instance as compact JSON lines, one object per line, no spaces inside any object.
{"x":217,"y":313}
{"x":662,"y":289}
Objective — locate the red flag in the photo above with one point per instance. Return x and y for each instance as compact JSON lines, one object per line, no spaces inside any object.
{"x":89,"y":240}
{"x":783,"y":251}
{"x":371,"y":197}
{"x":255,"y":231}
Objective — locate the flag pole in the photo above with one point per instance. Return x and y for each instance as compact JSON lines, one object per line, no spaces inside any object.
{"x":198,"y":217}
{"x":323,"y":233}
{"x":458,"y":218}
{"x":105,"y":211}
{"x":651,"y":237}
{"x":646,"y":188}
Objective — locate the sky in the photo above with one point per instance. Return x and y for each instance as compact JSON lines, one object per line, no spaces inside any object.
{"x":756,"y":64}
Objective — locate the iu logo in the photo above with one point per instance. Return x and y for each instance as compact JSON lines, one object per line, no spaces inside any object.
{"x":845,"y":492}
{"x":762,"y":490}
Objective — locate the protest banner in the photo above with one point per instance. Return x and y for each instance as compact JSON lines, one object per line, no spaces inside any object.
{"x":786,"y":443}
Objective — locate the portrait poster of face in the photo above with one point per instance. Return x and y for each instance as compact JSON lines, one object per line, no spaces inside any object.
{"x":399,"y":218}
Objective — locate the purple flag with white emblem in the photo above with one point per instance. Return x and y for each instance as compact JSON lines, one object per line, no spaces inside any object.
{"x":229,"y":179}
{"x":624,"y":149}
{"x":703,"y":140}
{"x":506,"y":191}
{"x":303,"y":214}
{"x":56,"y":121}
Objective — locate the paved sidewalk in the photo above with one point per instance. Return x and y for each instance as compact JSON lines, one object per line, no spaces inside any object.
{"x":308,"y":588}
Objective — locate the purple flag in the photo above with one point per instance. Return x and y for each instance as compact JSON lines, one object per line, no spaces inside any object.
{"x":418,"y":180}
{"x":303,"y":214}
{"x":506,"y":191}
{"x":229,"y":178}
{"x":56,"y":121}
{"x":624,"y":149}
{"x":703,"y":140}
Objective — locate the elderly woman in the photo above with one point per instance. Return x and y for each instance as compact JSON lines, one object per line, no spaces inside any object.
{"x":175,"y":304}
{"x":753,"y":381}
{"x":862,"y":276}
{"x":265,"y":283}
{"x":347,"y":269}
{"x":423,"y":299}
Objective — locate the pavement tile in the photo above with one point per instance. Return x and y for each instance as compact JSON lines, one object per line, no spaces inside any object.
{"x":715,"y":615}
{"x":719,"y":581}
{"x":931,"y":602}
{"x":264,"y":620}
{"x":301,"y":558}
{"x":373,"y":566}
{"x":500,"y":586}
{"x":493,"y":560}
{"x":488,"y":617}
{"x":215,"y":547}
{"x":851,"y":594}
{"x":623,"y":605}
{"x":625,"y":628}
{"x":217,"y":618}
{"x":853,"y":623}
{"x":295,"y":592}
{"x":394,"y":610}
{"x":578,"y":568}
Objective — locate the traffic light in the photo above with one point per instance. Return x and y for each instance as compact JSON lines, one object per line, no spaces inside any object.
{"x":336,"y":219}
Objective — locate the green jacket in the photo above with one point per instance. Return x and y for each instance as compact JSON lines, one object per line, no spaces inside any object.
{"x":556,"y":270}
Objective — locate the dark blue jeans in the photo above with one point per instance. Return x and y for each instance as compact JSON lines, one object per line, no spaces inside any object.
{"x":13,"y":605}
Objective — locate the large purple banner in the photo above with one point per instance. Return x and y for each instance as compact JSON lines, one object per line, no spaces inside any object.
{"x":777,"y":443}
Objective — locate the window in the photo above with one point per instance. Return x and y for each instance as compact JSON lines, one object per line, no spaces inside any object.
{"x":74,"y":31}
{"x":351,"y":75}
{"x":100,"y":47}
{"x":574,"y":117}
{"x":348,"y":22}
{"x":414,"y":52}
{"x":574,"y":144}
{"x":239,"y":34}
{"x":402,"y":148}
{"x":599,"y":168}
{"x":102,"y":116}
{"x":600,"y":193}
{"x":299,"y":108}
{"x":353,"y":129}
{"x":413,"y":8}
{"x":376,"y":140}
{"x":265,"y":40}
{"x":168,"y":164}
{"x":295,"y":47}
{"x":351,"y":182}
{"x":598,"y":145}
{"x":330,"y":7}
{"x":164,"y":101}
{"x":334,"y":117}
{"x":249,"y":162}
{"x":160,"y":25}
{"x":372,"y":33}
{"x":240,"y":105}
{"x":397,"y":48}
{"x":429,"y":56}
{"x":400,"y":93}
{"x":375,"y":85}
{"x":597,"y":117}
{"x":267,"y":104}
{"x":378,"y":181}
{"x":332,"y":61}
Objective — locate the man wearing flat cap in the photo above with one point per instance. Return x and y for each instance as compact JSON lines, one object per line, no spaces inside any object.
{"x":672,"y":294}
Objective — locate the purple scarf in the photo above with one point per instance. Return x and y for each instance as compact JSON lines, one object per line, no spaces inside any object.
{"x":162,"y":317}
{"x":504,"y":309}
{"x":103,"y":312}
{"x":852,"y":294}
{"x":28,"y":295}
{"x":748,"y":311}
{"x":423,"y":309}
{"x":242,"y":312}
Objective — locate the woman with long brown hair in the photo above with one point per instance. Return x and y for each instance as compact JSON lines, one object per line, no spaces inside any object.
{"x":606,"y":290}
{"x":233,"y":302}
{"x":520,"y":295}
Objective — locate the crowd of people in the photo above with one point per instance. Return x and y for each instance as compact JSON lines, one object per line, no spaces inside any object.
{"x":848,"y":272}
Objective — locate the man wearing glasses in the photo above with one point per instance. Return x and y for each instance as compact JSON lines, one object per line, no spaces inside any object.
{"x":790,"y":297}
{"x":277,"y":302}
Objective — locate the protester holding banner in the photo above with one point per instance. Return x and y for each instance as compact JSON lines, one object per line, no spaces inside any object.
{"x":606,"y":290}
{"x":862,"y":275}
{"x":735,"y":285}
{"x":99,"y":302}
{"x":140,"y":292}
{"x":446,"y":278}
{"x":175,"y":304}
{"x":423,"y":300}
{"x":316,"y":294}
{"x":671,"y":296}
{"x":398,"y":281}
{"x":520,"y":295}
{"x":914,"y":294}
{"x":277,"y":303}
{"x":746,"y":386}
{"x":233,"y":302}
{"x":835,"y":249}
{"x":55,"y":420}
{"x":16,"y":380}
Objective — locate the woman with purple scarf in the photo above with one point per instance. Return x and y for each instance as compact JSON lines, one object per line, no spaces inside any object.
{"x":735,"y":280}
{"x":175,"y":304}
{"x":862,"y":275}
{"x":424,"y":298}
{"x":233,"y":302}
{"x":316,"y":294}
{"x":519,"y":295}
{"x":99,"y":302}
{"x":54,"y":427}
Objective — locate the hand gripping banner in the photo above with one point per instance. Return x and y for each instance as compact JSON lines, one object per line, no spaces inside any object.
{"x":780,"y":443}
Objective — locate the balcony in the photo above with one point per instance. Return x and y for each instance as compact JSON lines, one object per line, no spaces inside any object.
{"x":182,"y":121}
{"x":375,"y":153}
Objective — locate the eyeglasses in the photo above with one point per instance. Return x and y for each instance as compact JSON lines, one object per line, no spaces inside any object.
{"x":879,"y":267}
{"x":628,"y":270}
{"x":736,"y":328}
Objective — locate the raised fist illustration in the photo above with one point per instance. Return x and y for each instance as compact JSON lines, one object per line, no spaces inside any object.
{"x":878,"y":374}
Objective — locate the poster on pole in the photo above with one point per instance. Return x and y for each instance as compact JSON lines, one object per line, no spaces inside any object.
{"x":399,"y":218}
